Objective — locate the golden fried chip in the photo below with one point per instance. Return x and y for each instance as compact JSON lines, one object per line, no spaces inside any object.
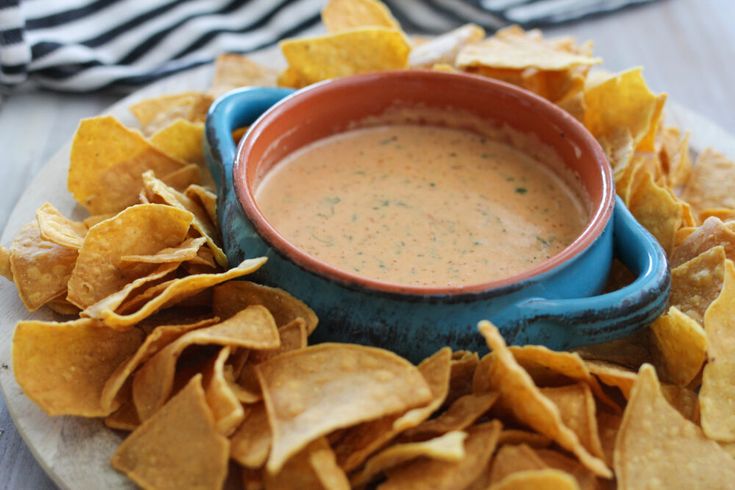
{"x":63,"y":307}
{"x":658,"y":210}
{"x":696,"y":283}
{"x":613,"y":375}
{"x":178,"y":447}
{"x":555,"y":460}
{"x":674,"y":154}
{"x":657,"y":446}
{"x":708,"y":186}
{"x":517,"y":436}
{"x":175,"y":291}
{"x":447,"y":447}
{"x":359,"y":442}
{"x":58,"y":229}
{"x":717,"y":394}
{"x":312,"y":468}
{"x":252,"y":328}
{"x":345,"y":15}
{"x":441,"y":51}
{"x":154,"y":114}
{"x":293,"y":336}
{"x":5,"y":269}
{"x":520,"y":396}
{"x":180,"y":179}
{"x":351,"y":383}
{"x":143,"y":229}
{"x":291,"y":78}
{"x":636,"y":108}
{"x":157,"y":191}
{"x":577,"y":407}
{"x":40,"y":269}
{"x":680,"y":346}
{"x":232,"y":297}
{"x":124,"y":418}
{"x":440,"y":475}
{"x":711,"y":233}
{"x":684,"y":400}
{"x":183,"y":140}
{"x":608,"y":425}
{"x":251,"y":442}
{"x":515,"y":49}
{"x":205,"y":198}
{"x":107,"y":160}
{"x":720,"y":213}
{"x":233,"y":71}
{"x":460,"y":415}
{"x":63,"y":367}
{"x":512,"y":459}
{"x":159,"y":338}
{"x":537,"y":480}
{"x":630,"y":351}
{"x":226,"y":408}
{"x":462,"y":372}
{"x":186,"y":250}
{"x":353,"y":52}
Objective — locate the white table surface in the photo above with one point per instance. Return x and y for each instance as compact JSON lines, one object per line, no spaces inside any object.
{"x":687,"y":48}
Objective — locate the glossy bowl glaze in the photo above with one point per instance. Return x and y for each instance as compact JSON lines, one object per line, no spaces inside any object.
{"x":552,"y":303}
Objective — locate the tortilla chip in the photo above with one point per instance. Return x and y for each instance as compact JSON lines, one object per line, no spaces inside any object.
{"x":577,"y":407}
{"x":143,"y":229}
{"x":636,"y":108}
{"x":178,"y":447}
{"x":537,"y":480}
{"x":313,"y":468}
{"x":157,"y":113}
{"x":57,"y":228}
{"x":442,"y":50}
{"x":107,"y":160}
{"x":697,"y":283}
{"x":512,"y":459}
{"x":226,"y":408}
{"x":448,"y":447}
{"x":708,"y":186}
{"x":5,"y":269}
{"x":124,"y":418}
{"x":520,"y":396}
{"x":62,"y":307}
{"x":711,"y":233}
{"x":514,"y":49}
{"x":345,"y":15}
{"x":613,"y":375}
{"x":517,"y":436}
{"x":684,"y":400}
{"x":233,"y":71}
{"x":460,"y":415}
{"x":252,"y":328}
{"x":186,"y":250}
{"x":348,"y":382}
{"x":40,"y":269}
{"x":251,"y":442}
{"x":462,"y":372}
{"x":232,"y":297}
{"x":347,"y":53}
{"x":658,"y":210}
{"x":555,"y":460}
{"x":180,"y":179}
{"x":359,"y":442}
{"x":658,"y":447}
{"x":293,"y":336}
{"x":608,"y":424}
{"x":63,"y":367}
{"x":720,"y":213}
{"x":441,"y":475}
{"x":680,"y":346}
{"x":205,"y":198}
{"x":291,"y":78}
{"x":717,"y":396}
{"x":182,"y":140}
{"x":674,"y":154}
{"x":175,"y":291}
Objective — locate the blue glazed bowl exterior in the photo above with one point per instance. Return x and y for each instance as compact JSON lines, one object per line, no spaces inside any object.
{"x":560,"y":308}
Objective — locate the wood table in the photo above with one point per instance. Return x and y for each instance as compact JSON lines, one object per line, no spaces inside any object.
{"x":687,"y":48}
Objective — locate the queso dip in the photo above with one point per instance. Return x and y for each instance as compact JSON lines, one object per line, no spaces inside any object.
{"x":421,"y":205}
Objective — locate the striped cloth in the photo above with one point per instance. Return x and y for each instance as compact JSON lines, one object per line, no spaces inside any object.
{"x":85,"y":45}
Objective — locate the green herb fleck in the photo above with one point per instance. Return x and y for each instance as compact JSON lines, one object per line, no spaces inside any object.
{"x":521,"y":190}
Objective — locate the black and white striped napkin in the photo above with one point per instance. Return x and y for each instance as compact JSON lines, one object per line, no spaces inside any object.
{"x":85,"y":45}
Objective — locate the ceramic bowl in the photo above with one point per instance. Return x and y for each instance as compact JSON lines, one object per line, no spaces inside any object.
{"x":557,"y":303}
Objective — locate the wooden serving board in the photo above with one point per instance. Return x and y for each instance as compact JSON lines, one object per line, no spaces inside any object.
{"x":75,"y":452}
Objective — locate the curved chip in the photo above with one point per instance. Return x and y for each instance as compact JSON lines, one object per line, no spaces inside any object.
{"x":58,"y":229}
{"x":233,"y":71}
{"x":445,"y":475}
{"x":157,"y":113}
{"x":556,"y":460}
{"x":205,"y":198}
{"x":442,"y":50}
{"x":512,"y":459}
{"x":183,"y":140}
{"x":343,"y":15}
{"x":696,"y":283}
{"x":520,"y":396}
{"x":680,"y":346}
{"x":39,"y":268}
{"x":537,"y":480}
{"x":226,"y":408}
{"x":577,"y":407}
{"x":711,"y":233}
{"x":251,"y":442}
{"x":186,"y":250}
{"x":106,"y":164}
{"x":657,"y":446}
{"x":252,"y":328}
{"x":232,"y":297}
{"x":63,"y":367}
{"x":460,"y":415}
{"x":143,"y":229}
{"x":178,"y":447}
{"x":613,"y":375}
{"x":311,"y":392}
{"x":312,"y":468}
{"x":447,"y":447}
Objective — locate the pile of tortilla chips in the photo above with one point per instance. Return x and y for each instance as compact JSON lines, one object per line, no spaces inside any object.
{"x":213,"y":376}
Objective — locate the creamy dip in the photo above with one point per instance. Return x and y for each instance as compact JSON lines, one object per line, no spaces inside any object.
{"x":421,"y":205}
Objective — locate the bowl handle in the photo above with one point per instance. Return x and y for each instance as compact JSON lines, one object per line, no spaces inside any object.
{"x":566,"y":323}
{"x":235,"y":109}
